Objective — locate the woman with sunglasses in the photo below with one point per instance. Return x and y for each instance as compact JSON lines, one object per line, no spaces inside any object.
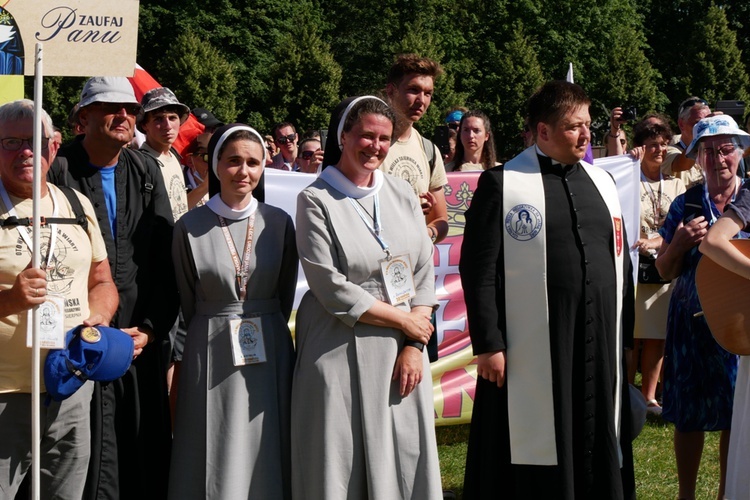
{"x":699,"y":375}
{"x":476,"y":148}
{"x":362,"y":414}
{"x":236,"y":265}
{"x":309,"y":156}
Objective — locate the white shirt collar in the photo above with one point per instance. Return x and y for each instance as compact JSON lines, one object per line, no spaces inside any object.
{"x":217,"y":206}
{"x":340,"y":183}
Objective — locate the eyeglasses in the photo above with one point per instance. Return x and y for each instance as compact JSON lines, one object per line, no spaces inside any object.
{"x":201,"y":153}
{"x":690,"y":103}
{"x":306,"y":155}
{"x":723,"y":151}
{"x":14,"y":143}
{"x":286,"y":138}
{"x":113,"y":108}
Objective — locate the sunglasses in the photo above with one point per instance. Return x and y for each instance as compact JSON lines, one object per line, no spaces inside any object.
{"x":286,"y":138}
{"x":201,"y":153}
{"x":690,"y":103}
{"x":454,"y":126}
{"x":306,"y":155}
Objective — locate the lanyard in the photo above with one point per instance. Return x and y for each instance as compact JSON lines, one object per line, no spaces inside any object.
{"x":242,"y":269}
{"x":25,"y":232}
{"x":376,"y":228}
{"x":714,"y":211}
{"x":655,"y":200}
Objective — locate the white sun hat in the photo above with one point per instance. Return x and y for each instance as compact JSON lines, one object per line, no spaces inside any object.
{"x":716,"y":125}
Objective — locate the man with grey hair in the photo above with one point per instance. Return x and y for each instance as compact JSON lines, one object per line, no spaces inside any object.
{"x":131,"y":430}
{"x":691,"y":111}
{"x":73,"y":285}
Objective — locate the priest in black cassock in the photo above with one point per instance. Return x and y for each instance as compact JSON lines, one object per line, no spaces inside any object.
{"x":550,"y":313}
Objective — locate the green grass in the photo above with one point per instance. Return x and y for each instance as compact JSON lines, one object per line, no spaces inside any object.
{"x":655,"y":470}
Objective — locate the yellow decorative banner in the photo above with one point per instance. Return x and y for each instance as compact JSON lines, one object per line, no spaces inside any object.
{"x":11,"y":88}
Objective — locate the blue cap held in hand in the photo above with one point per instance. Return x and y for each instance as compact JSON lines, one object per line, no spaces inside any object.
{"x":96,"y":353}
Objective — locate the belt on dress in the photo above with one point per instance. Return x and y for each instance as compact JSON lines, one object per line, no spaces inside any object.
{"x":237,"y":307}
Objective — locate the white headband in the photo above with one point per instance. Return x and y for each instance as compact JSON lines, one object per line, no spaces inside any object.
{"x":346,"y":113}
{"x":227,"y":133}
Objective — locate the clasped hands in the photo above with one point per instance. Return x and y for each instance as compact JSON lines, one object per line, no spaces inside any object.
{"x":417,"y":325}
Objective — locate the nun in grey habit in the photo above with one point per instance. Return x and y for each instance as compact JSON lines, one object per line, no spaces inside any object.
{"x":362,"y":402}
{"x":236,"y":266}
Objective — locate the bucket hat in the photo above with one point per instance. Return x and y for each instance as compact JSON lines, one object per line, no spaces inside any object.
{"x":105,"y":89}
{"x":716,"y":125}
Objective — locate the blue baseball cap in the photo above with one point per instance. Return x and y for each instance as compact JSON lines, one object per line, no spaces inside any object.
{"x":96,"y":353}
{"x":454,"y":116}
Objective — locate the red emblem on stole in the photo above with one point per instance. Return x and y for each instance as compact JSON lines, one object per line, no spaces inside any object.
{"x":618,"y":234}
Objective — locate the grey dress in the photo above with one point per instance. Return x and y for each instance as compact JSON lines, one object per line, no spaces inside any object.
{"x":231,"y":436}
{"x":353,"y":435}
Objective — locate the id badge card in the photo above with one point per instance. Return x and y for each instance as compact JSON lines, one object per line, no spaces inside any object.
{"x":398,"y":278}
{"x":51,"y":324}
{"x":247,"y":341}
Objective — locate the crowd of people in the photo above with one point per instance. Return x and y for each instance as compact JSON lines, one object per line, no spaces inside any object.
{"x":181,"y":253}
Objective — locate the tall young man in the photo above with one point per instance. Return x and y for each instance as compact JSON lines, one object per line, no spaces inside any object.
{"x":410,"y":85}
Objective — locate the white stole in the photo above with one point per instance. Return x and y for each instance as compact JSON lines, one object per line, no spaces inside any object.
{"x":531,"y":415}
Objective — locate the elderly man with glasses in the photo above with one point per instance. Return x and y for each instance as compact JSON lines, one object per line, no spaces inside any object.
{"x":131,"y":433}
{"x":72,"y":285}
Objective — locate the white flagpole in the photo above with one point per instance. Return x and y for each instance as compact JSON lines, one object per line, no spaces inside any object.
{"x":569,"y":77}
{"x":36,"y":262}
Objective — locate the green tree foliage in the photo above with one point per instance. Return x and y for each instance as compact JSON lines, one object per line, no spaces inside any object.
{"x":691,"y":43}
{"x":715,"y":70}
{"x":738,"y":15}
{"x":200,"y":76}
{"x":304,"y":78}
{"x":605,"y":42}
{"x":59,"y":96}
{"x":246,"y":33}
{"x":268,"y":60}
{"x":502,"y":95}
{"x":362,"y":36}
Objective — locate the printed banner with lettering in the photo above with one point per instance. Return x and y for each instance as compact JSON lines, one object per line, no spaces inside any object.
{"x":79,"y":37}
{"x":454,"y":373}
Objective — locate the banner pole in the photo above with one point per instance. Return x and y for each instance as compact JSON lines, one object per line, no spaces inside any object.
{"x":36,"y":262}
